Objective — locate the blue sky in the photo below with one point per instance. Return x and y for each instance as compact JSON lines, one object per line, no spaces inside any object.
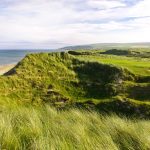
{"x":58,"y":23}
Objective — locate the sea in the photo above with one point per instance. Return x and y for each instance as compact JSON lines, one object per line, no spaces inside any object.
{"x":14,"y":56}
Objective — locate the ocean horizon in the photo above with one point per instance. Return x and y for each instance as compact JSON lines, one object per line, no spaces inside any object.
{"x":14,"y":56}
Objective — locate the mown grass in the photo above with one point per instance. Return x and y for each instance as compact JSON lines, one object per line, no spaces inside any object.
{"x":45,"y":128}
{"x":139,"y":66}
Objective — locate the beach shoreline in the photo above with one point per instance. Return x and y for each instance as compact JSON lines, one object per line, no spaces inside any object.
{"x":6,"y":68}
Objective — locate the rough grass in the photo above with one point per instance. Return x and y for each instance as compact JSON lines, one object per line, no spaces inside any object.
{"x":61,"y":77}
{"x":44,"y":128}
{"x":71,"y":77}
{"x":28,"y":122}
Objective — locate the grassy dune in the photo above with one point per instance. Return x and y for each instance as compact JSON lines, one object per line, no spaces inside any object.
{"x":77,"y":100}
{"x":80,"y":78}
{"x":43,"y":128}
{"x":60,"y":75}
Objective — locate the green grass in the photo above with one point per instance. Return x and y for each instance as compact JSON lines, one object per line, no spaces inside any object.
{"x":92,"y":93}
{"x":139,"y":66}
{"x":65,"y":78}
{"x":58,"y":77}
{"x":44,"y":128}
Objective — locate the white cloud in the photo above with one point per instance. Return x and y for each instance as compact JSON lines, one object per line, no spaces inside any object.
{"x":105,"y":4}
{"x":48,"y":23}
{"x":141,"y":9}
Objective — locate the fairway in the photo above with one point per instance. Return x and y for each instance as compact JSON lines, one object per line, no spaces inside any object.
{"x":139,"y":66}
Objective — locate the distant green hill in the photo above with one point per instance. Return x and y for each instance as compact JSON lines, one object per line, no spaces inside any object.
{"x":108,"y":46}
{"x":80,"y":78}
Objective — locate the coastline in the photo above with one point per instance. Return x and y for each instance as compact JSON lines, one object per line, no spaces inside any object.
{"x":5,"y":68}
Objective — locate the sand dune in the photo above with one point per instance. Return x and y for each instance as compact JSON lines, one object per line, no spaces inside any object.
{"x":5,"y":68}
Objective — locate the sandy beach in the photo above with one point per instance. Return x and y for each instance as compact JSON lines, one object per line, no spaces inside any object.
{"x":5,"y":68}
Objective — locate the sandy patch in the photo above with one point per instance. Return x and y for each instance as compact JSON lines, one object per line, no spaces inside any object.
{"x":5,"y":68}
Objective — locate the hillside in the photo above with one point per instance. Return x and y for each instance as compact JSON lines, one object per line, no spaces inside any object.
{"x":108,"y":46}
{"x":82,"y":79}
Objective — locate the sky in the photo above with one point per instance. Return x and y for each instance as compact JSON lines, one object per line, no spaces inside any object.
{"x":58,"y":23}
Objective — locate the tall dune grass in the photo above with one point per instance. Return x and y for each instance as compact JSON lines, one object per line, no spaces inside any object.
{"x":45,"y":128}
